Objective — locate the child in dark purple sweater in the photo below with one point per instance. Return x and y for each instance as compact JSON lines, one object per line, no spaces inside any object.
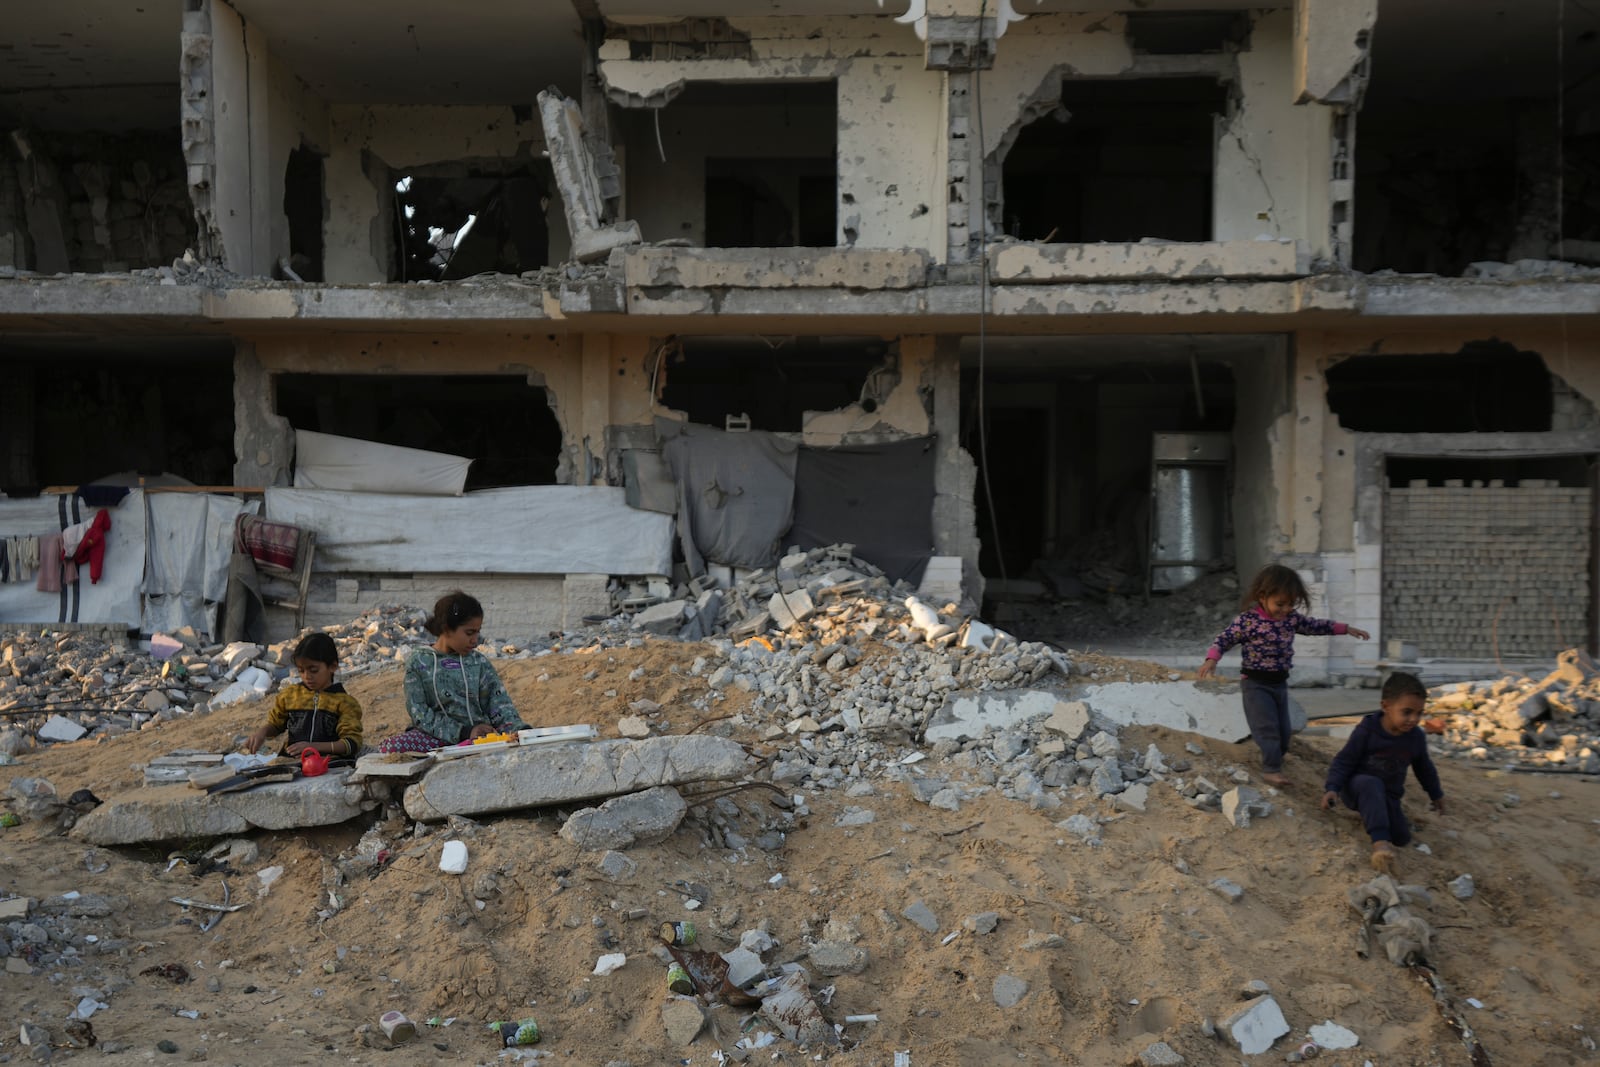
{"x":1369,"y":773}
{"x":1266,"y":629}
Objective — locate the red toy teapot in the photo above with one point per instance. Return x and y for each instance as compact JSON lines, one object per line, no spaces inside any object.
{"x":313,"y":763}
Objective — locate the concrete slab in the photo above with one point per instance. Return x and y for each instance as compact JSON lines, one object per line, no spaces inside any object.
{"x":971,"y":714}
{"x":1212,"y":709}
{"x":1150,"y":262}
{"x":382,"y":765}
{"x":775,"y":268}
{"x":516,"y":778}
{"x":173,"y":812}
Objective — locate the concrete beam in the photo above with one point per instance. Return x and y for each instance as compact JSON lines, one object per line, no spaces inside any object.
{"x":1332,"y":41}
{"x":1042,"y":263}
{"x":775,"y":268}
{"x":1179,"y":300}
{"x":1430,"y":297}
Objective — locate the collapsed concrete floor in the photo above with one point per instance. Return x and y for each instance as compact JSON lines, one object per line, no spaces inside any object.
{"x":1085,"y":929}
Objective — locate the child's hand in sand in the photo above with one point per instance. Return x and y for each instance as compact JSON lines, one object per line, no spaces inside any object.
{"x":1329,"y":799}
{"x":1438,"y":805}
{"x":1207,"y":669}
{"x":255,"y":740}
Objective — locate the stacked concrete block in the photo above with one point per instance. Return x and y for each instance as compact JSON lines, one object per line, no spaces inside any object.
{"x":1480,"y":571}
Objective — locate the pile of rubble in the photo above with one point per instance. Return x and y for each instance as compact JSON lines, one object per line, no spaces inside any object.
{"x":845,"y":672}
{"x":1548,"y":725}
{"x":63,"y":686}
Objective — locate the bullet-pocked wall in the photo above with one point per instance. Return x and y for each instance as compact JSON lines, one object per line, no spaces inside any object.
{"x":1270,"y":159}
{"x":886,"y":141}
{"x":594,"y":388}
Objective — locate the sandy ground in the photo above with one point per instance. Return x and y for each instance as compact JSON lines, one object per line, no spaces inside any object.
{"x":1146,"y":950}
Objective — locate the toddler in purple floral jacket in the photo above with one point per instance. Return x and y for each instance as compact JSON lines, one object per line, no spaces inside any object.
{"x":1266,"y":631}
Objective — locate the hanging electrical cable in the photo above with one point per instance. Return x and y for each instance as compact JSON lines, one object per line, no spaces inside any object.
{"x":975,"y":105}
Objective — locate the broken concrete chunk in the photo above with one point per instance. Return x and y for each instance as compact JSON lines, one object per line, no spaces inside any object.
{"x":682,"y":1018}
{"x":1228,"y":890}
{"x":642,"y":818}
{"x":1254,"y":1027}
{"x":922,"y":915}
{"x":1237,"y":803}
{"x":1069,"y":719}
{"x":177,"y":812}
{"x":663,"y":619}
{"x":1160,"y":1054}
{"x":788,"y":609}
{"x":1009,"y":990}
{"x":579,"y":182}
{"x":531,"y":777}
{"x":56,"y":728}
{"x":838,"y":957}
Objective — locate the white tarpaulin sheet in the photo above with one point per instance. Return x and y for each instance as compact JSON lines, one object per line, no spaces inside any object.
{"x":537,"y":529}
{"x":323,"y":461}
{"x":115,"y":599}
{"x":190,"y":546}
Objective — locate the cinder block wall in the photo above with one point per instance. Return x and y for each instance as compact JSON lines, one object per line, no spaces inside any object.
{"x":1472,"y":572}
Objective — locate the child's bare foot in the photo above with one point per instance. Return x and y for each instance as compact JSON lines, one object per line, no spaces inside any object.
{"x":1383,"y":857}
{"x":1276,"y":778}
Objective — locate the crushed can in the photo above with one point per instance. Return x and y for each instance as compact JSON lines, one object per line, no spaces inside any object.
{"x":678,"y":980}
{"x":679,"y":934}
{"x":521,"y":1032}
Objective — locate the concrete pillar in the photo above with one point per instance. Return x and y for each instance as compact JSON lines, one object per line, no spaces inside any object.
{"x":959,"y":106}
{"x":594,"y":409}
{"x":229,"y":72}
{"x":197,"y":115}
{"x":1305,"y":471}
{"x":1262,"y":435}
{"x":263,"y":441}
{"x":955,"y":517}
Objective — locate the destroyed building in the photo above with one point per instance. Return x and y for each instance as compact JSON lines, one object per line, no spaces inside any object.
{"x":1166,"y":286}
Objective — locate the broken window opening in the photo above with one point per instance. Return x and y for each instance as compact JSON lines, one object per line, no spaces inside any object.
{"x":1116,"y":160}
{"x":780,"y":190}
{"x":503,"y":424}
{"x":303,"y":206}
{"x":456,"y":227}
{"x":774,"y":382}
{"x":72,"y":412}
{"x":1487,"y":387}
{"x":770,"y":203}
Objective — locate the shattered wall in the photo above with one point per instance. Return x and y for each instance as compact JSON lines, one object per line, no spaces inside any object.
{"x":890,"y":125}
{"x":372,"y":146}
{"x":117,"y":201}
